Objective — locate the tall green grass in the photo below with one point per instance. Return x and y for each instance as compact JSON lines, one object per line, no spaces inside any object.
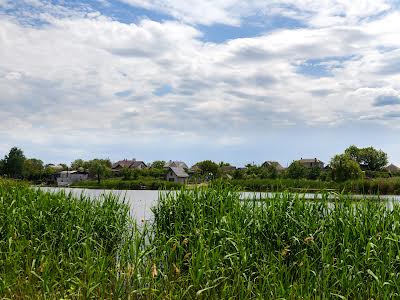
{"x":201,"y":244}
{"x":210,"y":244}
{"x":56,"y":246}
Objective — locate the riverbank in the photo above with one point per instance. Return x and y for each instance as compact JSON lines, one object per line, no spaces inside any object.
{"x":378,"y":186}
{"x":119,"y":184}
{"x":202,"y":243}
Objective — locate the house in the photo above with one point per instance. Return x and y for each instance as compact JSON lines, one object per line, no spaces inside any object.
{"x":275,"y":164}
{"x":130,"y":164}
{"x":392,"y":168}
{"x":176,"y":164}
{"x":311,"y":163}
{"x":67,"y":178}
{"x":176,"y":174}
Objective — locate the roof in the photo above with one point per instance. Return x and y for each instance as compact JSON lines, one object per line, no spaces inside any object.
{"x":73,"y":172}
{"x":128,"y":163}
{"x":176,"y":164}
{"x":272,"y":163}
{"x":392,"y":168}
{"x":180,"y":172}
{"x":309,"y":160}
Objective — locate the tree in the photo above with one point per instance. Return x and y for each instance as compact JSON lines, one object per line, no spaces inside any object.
{"x":296,"y":170}
{"x":158,"y":164}
{"x":313,"y":173}
{"x":370,"y":158}
{"x":79,"y":163}
{"x":14,"y":163}
{"x":270,"y":171}
{"x":33,"y":169}
{"x":343,"y":168}
{"x":208,"y":167}
{"x":99,"y":168}
{"x":2,"y":171}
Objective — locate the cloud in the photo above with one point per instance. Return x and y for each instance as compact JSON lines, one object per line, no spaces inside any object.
{"x":81,"y":75}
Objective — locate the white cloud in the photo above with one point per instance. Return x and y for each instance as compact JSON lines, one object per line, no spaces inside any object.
{"x":63,"y":78}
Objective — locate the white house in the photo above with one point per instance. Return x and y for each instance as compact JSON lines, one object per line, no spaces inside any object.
{"x":67,"y":178}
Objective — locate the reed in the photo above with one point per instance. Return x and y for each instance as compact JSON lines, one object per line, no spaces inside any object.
{"x":202,"y":244}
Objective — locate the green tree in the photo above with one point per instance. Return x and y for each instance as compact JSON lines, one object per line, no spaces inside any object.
{"x":33,"y":169}
{"x":343,"y":168}
{"x":79,"y":163}
{"x":99,"y":168}
{"x":2,"y":171}
{"x":313,"y":173}
{"x":14,"y":163}
{"x":370,"y":158}
{"x":158,"y":164}
{"x":296,"y":170}
{"x":208,"y":167}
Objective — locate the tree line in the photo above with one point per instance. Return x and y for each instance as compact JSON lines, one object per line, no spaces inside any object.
{"x":354,"y":163}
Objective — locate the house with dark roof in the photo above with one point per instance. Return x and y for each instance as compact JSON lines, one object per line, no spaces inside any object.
{"x":176,"y":174}
{"x":269,"y":163}
{"x":176,"y":164}
{"x":130,"y":164}
{"x":311,"y":163}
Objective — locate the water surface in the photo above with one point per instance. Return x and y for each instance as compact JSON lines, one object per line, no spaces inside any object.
{"x":141,"y":201}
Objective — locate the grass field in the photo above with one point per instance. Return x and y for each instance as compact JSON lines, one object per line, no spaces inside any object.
{"x":202,"y":244}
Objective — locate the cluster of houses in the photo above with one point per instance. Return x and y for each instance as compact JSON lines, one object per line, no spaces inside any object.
{"x":178,"y":171}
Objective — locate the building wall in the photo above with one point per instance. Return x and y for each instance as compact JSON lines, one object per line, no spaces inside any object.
{"x":171,"y":176}
{"x":68,"y":179}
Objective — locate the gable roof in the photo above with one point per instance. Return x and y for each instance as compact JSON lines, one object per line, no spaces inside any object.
{"x":276,"y":164}
{"x":176,"y":164}
{"x":128,"y":163}
{"x":392,"y":168}
{"x":309,"y":160}
{"x":179,"y":172}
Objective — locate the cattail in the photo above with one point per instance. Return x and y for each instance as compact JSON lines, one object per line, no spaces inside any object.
{"x":154,"y":272}
{"x":176,"y":270}
{"x":286,"y":251}
{"x":309,"y":240}
{"x":187,"y":256}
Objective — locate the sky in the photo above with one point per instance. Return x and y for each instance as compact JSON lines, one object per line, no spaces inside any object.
{"x":226,"y":80}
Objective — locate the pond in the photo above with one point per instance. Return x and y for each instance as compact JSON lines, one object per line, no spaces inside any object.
{"x":141,"y":201}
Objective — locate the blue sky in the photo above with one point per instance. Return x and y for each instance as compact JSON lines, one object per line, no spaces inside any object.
{"x":239,"y":81}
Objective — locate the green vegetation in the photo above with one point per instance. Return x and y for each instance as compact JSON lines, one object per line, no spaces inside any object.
{"x":119,"y":184}
{"x":344,"y":168}
{"x":55,"y":246}
{"x":378,"y":186}
{"x":202,"y":244}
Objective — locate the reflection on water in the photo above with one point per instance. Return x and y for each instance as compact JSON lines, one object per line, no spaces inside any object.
{"x":141,"y":201}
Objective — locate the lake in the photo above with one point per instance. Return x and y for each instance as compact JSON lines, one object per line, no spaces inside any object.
{"x":141,"y":201}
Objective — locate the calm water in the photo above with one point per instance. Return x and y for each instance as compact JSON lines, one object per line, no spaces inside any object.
{"x":141,"y":201}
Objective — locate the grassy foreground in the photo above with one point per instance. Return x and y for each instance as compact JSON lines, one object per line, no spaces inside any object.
{"x":203,"y":244}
